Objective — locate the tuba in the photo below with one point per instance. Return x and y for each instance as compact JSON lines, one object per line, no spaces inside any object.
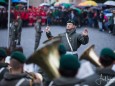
{"x":47,"y":58}
{"x":90,"y":55}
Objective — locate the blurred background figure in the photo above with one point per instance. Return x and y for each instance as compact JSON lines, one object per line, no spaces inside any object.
{"x":13,"y":34}
{"x":38,"y":32}
{"x":19,"y":28}
{"x":114,"y":22}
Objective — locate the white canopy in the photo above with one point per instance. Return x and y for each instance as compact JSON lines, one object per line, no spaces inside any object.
{"x":112,"y":3}
{"x":44,"y":4}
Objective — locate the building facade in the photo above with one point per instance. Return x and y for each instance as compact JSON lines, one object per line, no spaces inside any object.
{"x":35,"y":2}
{"x":72,"y":1}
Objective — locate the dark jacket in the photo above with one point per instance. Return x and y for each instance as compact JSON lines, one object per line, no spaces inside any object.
{"x":12,"y":80}
{"x":100,"y":78}
{"x":19,"y":28}
{"x":13,"y":31}
{"x":62,"y":81}
{"x":75,"y":39}
{"x":3,"y":69}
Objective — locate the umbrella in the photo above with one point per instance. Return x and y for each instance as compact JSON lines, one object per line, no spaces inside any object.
{"x":111,"y":3}
{"x":3,"y":2}
{"x":88,"y":3}
{"x":20,"y":5}
{"x":78,"y":10}
{"x":2,"y":7}
{"x":57,"y":4}
{"x":91,"y":3}
{"x":82,"y":4}
{"x":44,"y":4}
{"x":66,"y":5}
{"x":19,"y":1}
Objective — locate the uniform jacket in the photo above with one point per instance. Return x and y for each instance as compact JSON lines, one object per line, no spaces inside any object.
{"x":12,"y":80}
{"x":3,"y":69}
{"x":38,"y":27}
{"x":100,"y":78}
{"x":63,"y":81}
{"x":19,"y":28}
{"x":75,"y":39}
{"x":13,"y":31}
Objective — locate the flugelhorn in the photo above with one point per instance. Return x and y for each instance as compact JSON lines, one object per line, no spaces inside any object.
{"x":90,"y":55}
{"x":47,"y":58}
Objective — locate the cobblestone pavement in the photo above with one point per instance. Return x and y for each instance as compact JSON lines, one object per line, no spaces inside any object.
{"x":99,"y":39}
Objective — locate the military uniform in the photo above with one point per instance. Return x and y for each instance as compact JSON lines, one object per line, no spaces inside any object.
{"x":38,"y":34}
{"x":19,"y":29}
{"x":75,"y":40}
{"x":64,"y":81}
{"x":3,"y":69}
{"x":17,"y":80}
{"x":100,"y":78}
{"x":3,"y":65}
{"x":13,"y":35}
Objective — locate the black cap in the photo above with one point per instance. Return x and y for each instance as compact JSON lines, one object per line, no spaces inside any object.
{"x":71,"y":21}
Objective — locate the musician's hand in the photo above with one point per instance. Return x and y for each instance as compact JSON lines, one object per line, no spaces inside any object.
{"x":85,"y":32}
{"x":38,"y":78}
{"x":47,"y":29}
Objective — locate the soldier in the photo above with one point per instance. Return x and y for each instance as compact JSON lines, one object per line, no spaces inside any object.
{"x":13,"y":34}
{"x":103,"y":76}
{"x":19,"y":28}
{"x":3,"y":65}
{"x":38,"y":32}
{"x":68,"y":68}
{"x":73,"y":40}
{"x":17,"y":76}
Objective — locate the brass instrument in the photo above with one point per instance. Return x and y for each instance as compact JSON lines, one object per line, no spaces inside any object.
{"x":91,"y":56}
{"x":47,"y":58}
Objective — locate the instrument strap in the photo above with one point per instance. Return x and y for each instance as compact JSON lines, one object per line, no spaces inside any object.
{"x":20,"y":82}
{"x":2,"y":69}
{"x":110,"y":81}
{"x":69,"y":42}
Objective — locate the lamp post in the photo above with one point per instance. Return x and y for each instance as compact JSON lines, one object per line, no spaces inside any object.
{"x":28,"y":3}
{"x":9,"y":4}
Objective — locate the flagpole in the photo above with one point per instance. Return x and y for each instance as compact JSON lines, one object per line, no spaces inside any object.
{"x":9,"y":3}
{"x":28,"y":3}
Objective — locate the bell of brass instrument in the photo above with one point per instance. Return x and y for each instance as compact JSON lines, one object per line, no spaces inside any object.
{"x":47,"y":58}
{"x":91,"y":56}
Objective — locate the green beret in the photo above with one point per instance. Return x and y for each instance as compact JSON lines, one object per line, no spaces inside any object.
{"x":107,"y":52}
{"x":3,"y":53}
{"x":61,"y":49}
{"x":69,"y":62}
{"x":71,"y":21}
{"x":18,"y":56}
